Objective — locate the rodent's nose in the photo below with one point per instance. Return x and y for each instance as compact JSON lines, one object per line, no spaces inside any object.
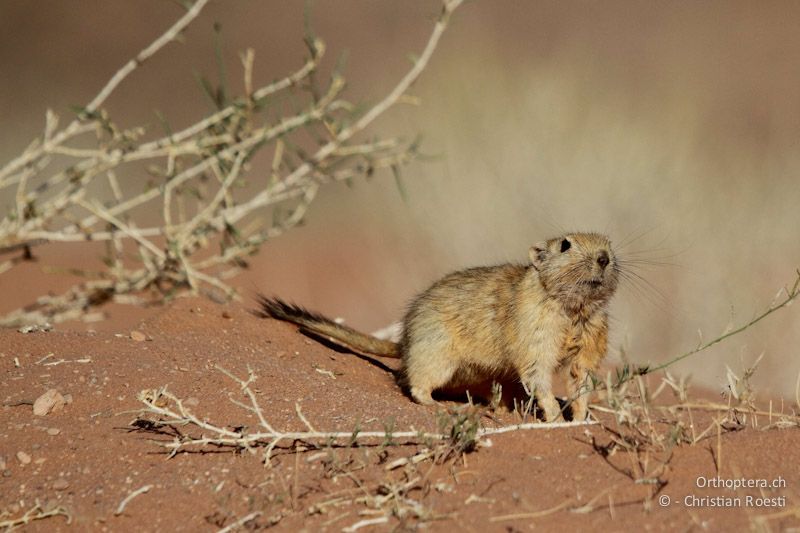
{"x":602,"y":259}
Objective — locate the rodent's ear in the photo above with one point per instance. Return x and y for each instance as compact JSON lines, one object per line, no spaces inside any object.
{"x":539,"y":254}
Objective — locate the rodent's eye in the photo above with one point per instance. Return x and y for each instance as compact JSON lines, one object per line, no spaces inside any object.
{"x":565,"y":245}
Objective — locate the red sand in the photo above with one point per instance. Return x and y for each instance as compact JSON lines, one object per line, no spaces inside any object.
{"x":96,"y":458}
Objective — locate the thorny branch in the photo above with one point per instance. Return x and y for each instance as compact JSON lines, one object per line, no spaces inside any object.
{"x":82,"y":183}
{"x":461,"y":431}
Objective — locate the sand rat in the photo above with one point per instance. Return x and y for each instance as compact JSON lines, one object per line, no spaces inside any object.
{"x":518,"y":321}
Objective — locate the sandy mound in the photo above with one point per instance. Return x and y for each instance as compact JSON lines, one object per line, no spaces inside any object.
{"x":84,"y":457}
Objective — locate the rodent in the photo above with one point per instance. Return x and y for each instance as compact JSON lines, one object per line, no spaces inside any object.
{"x":525,"y":321}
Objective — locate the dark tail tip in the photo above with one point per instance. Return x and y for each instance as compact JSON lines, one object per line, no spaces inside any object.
{"x":276,"y":308}
{"x":271,"y":307}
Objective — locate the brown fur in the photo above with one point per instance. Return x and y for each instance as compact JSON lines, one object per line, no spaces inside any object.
{"x":492,"y":323}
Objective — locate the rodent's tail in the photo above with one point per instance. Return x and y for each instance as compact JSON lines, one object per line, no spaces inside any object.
{"x":325,"y":327}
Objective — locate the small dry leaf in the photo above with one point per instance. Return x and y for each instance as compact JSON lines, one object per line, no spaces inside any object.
{"x":50,"y":401}
{"x":138,"y":336}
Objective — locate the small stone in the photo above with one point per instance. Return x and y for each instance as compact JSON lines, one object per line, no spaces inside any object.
{"x":226,"y":314}
{"x":53,"y":431}
{"x":138,"y":336}
{"x":68,"y":399}
{"x":60,"y":484}
{"x":50,"y":401}
{"x":23,"y":457}
{"x":6,"y":473}
{"x":2,"y":463}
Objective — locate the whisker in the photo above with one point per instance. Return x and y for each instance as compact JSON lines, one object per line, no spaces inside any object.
{"x":633,"y":237}
{"x":645,"y":289}
{"x":646,"y":262}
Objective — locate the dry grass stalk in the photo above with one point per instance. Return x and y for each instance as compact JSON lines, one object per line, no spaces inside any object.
{"x":633,"y":410}
{"x":647,"y":431}
{"x":761,"y":523}
{"x":240,"y":522}
{"x":82,"y":183}
{"x":783,"y":299}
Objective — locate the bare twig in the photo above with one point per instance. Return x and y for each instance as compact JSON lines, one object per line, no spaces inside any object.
{"x":75,"y":127}
{"x":37,"y":512}
{"x":171,"y":411}
{"x":129,"y":497}
{"x":199,"y":181}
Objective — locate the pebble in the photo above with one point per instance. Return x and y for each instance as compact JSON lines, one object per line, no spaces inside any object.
{"x":50,"y":401}
{"x":23,"y":457}
{"x":36,"y":327}
{"x":2,"y":463}
{"x":53,"y":431}
{"x":138,"y":336}
{"x":60,"y":484}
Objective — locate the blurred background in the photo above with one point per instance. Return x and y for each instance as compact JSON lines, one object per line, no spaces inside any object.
{"x":672,"y":126}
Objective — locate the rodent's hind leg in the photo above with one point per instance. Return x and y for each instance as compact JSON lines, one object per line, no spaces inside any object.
{"x":423,"y":396}
{"x":538,"y":383}
{"x":427,"y":369}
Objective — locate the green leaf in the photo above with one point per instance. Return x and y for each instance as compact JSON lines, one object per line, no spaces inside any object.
{"x":222,"y":90}
{"x":206,"y":87}
{"x":164,"y":124}
{"x":398,"y":181}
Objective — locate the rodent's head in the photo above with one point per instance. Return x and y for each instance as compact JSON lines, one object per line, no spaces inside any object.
{"x":579,"y":269}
